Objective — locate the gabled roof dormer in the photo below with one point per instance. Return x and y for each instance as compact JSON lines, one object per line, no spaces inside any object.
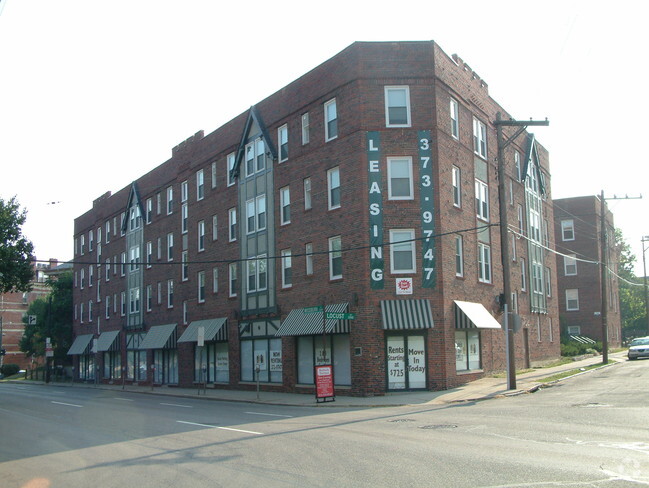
{"x":254,"y":128}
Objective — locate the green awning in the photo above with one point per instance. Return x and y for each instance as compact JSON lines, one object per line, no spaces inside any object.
{"x":106,"y":340}
{"x":406,"y":314}
{"x":80,"y":344}
{"x":300,"y":323}
{"x":158,"y":337}
{"x":214,"y":330}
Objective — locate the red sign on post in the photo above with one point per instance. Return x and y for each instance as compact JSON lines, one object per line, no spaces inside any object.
{"x":324,"y":382}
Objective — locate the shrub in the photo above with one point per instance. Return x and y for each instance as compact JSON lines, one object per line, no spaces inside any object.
{"x":9,"y":369}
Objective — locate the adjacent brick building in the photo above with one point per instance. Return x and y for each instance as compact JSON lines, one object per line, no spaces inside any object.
{"x":578,"y":227}
{"x":367,"y":185}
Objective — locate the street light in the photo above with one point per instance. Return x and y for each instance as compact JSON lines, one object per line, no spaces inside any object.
{"x":644,"y":274}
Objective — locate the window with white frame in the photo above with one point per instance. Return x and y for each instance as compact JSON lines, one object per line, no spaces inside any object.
{"x":402,"y":251}
{"x":184,"y":191}
{"x":170,"y":293}
{"x":149,"y":210}
{"x":521,"y":228}
{"x":215,"y":280}
{"x":517,"y":165}
{"x":484,"y":263}
{"x":213,"y":179}
{"x":523,"y":275}
{"x":250,"y":159}
{"x":215,"y":227}
{"x":257,"y":273}
{"x":457,"y":189}
{"x":90,"y":240}
{"x":170,"y":200}
{"x":91,"y":276}
{"x":282,"y":143}
{"x":568,"y":230}
{"x":184,"y":265}
{"x":570,"y":265}
{"x":400,"y":181}
{"x":158,"y":199}
{"x":230,"y":166}
{"x":232,"y":279}
{"x":572,"y":299}
{"x":482,"y":200}
{"x":170,"y":247}
{"x":149,"y":254}
{"x":232,"y":224}
{"x":107,"y":278}
{"x":107,"y":308}
{"x":548,"y":281}
{"x":459,"y":256}
{"x":260,"y":205}
{"x":574,"y":330}
{"x":260,"y":154}
{"x":513,"y":246}
{"x":287,"y":269}
{"x":134,"y":300}
{"x":201,"y":286}
{"x":134,"y":258}
{"x":90,"y":318}
{"x":307,"y":193}
{"x":479,"y":138}
{"x":149,"y":298}
{"x":397,"y":106}
{"x":200,"y":185}
{"x":122,"y":303}
{"x":285,"y":205}
{"x":305,"y":128}
{"x":333,"y":188}
{"x":185,"y":312}
{"x":201,"y":235}
{"x":184,"y":218}
{"x":107,"y":234}
{"x":123,"y":264}
{"x":331,"y":120}
{"x":308,"y":256}
{"x":455,"y":118}
{"x":335,"y":258}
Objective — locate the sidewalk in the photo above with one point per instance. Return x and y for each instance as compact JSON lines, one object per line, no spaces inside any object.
{"x":481,"y":389}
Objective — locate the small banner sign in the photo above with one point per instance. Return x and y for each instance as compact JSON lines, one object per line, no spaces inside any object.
{"x":324,"y":382}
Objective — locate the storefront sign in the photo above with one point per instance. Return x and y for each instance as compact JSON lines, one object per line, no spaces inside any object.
{"x":275,"y":360}
{"x":222,"y":362}
{"x":324,"y":381}
{"x":376,"y":210}
{"x":404,"y":286}
{"x":396,"y":363}
{"x":261,"y":362}
{"x":427,"y":205}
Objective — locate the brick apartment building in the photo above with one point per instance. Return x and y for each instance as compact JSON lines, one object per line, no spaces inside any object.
{"x":14,"y":306}
{"x":367,"y":185}
{"x":577,"y":227}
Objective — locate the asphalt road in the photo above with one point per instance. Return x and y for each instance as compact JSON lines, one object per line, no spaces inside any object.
{"x":589,"y":431}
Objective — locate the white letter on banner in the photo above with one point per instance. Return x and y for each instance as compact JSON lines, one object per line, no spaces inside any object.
{"x":375,"y":188}
{"x":372,"y":148}
{"x":376,"y":253}
{"x":374,"y":209}
{"x":377,"y":274}
{"x":374,"y":167}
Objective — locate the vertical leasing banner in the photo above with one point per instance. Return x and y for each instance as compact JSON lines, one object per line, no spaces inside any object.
{"x":376,"y":210}
{"x":427,"y":209}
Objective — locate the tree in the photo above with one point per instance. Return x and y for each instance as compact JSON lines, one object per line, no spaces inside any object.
{"x":16,"y":269}
{"x":632,"y":306}
{"x":53,"y":319}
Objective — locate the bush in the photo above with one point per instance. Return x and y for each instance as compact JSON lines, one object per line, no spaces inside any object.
{"x":9,"y":369}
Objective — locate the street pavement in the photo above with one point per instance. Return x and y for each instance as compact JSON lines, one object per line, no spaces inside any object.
{"x":482,"y":389}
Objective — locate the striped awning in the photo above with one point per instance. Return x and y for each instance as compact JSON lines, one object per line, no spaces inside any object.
{"x":406,"y":314}
{"x":80,"y":344}
{"x":106,"y":340}
{"x":158,"y":336}
{"x":470,"y":315}
{"x":214,"y":330}
{"x":299,"y":323}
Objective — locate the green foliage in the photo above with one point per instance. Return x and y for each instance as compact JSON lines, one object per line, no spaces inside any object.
{"x":632,"y":305}
{"x":571,"y":348}
{"x":9,"y":369}
{"x":53,"y":319}
{"x":16,"y":271}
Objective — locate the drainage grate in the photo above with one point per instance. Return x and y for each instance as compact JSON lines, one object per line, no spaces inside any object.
{"x":439,"y":426}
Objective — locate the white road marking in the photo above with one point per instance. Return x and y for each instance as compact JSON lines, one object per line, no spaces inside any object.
{"x":222,"y":428}
{"x":68,"y":404}
{"x":270,"y":414}
{"x":176,"y":405}
{"x":123,"y":399}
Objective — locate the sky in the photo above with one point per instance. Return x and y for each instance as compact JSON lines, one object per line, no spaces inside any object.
{"x":95,"y":94}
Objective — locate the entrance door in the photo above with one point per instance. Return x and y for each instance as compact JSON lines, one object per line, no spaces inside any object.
{"x":406,"y":362}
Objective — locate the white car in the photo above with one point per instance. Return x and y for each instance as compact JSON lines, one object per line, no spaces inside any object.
{"x":639,"y":348}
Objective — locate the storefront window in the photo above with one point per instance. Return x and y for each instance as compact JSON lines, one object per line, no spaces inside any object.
{"x":261,"y":351}
{"x":214,"y":358}
{"x":467,"y":350}
{"x":406,"y":362}
{"x":310,"y":352}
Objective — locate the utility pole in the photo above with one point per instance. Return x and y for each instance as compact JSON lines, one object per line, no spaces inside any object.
{"x":604,"y":265}
{"x":644,"y":268}
{"x":504,"y":234}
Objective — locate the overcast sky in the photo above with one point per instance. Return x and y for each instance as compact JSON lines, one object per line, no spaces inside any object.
{"x":94,"y":94}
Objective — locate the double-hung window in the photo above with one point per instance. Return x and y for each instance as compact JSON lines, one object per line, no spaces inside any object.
{"x":572,"y":299}
{"x":333,"y":188}
{"x":482,"y":200}
{"x":484,"y":263}
{"x":335,"y":258}
{"x":201,"y":235}
{"x":260,"y":203}
{"x":457,"y":193}
{"x":200,"y":185}
{"x":331,"y":120}
{"x":402,"y":251}
{"x":170,"y":247}
{"x":184,"y":218}
{"x":170,"y":200}
{"x":184,"y":265}
{"x":459,"y":256}
{"x":201,"y":286}
{"x":307,"y":193}
{"x":285,"y":205}
{"x":568,"y":230}
{"x":287,"y":269}
{"x":232,"y":224}
{"x":282,"y":143}
{"x":305,"y":128}
{"x":257,"y":273}
{"x":232,"y":268}
{"x":570,"y":265}
{"x":400,"y":181}
{"x":455,"y":118}
{"x":230,"y":166}
{"x":479,"y":138}
{"x":397,"y":106}
{"x":308,"y":254}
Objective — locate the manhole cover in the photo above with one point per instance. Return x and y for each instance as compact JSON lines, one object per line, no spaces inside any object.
{"x":401,"y":420}
{"x":439,"y":426}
